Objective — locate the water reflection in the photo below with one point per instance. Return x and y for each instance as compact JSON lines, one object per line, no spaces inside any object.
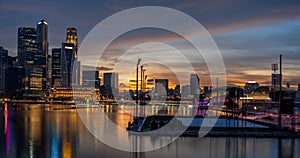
{"x":60,"y":133}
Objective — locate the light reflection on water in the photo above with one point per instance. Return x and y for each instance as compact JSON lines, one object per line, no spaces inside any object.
{"x":60,"y":133}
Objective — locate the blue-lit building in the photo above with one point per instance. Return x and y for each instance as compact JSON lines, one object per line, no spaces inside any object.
{"x":3,"y":67}
{"x":27,"y":46}
{"x":67,"y":63}
{"x":56,"y":67}
{"x":41,"y":57}
{"x":71,"y":37}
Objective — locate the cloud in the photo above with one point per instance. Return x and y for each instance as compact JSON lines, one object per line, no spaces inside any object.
{"x":89,"y":68}
{"x":250,"y":34}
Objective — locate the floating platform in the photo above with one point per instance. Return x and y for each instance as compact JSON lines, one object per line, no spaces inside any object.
{"x":216,"y":127}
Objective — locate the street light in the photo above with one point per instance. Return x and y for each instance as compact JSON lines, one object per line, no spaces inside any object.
{"x":142,"y":88}
{"x":254,"y":116}
{"x":137,"y":86}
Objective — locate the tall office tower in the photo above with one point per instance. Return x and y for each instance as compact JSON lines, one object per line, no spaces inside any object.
{"x":67,"y":63}
{"x":162,"y":86}
{"x":275,"y":81}
{"x":56,"y":67}
{"x":185,"y":92}
{"x":111,"y":81}
{"x":14,"y":78}
{"x":90,"y":79}
{"x":27,"y":46}
{"x":49,"y":72}
{"x":3,"y":67}
{"x":194,"y":85}
{"x":76,"y":73}
{"x":72,"y":38}
{"x":41,"y":57}
{"x":250,"y":86}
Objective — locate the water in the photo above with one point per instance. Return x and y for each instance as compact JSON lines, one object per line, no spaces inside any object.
{"x":40,"y":132}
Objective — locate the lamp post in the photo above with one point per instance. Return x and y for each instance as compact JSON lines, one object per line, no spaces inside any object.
{"x":137,"y":86}
{"x":142,"y":94}
{"x":145,"y":82}
{"x":275,"y":69}
{"x":280,"y":92}
{"x":254,"y":116}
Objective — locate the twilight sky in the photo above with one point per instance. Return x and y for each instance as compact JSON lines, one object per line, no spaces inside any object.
{"x":250,"y":34}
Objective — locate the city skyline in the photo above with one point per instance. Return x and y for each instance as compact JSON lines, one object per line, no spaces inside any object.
{"x":249,"y":41}
{"x":172,"y":78}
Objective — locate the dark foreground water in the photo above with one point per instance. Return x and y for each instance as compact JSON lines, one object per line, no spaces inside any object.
{"x":40,"y":132}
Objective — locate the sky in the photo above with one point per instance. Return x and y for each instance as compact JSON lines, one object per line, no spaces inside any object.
{"x":250,"y":34}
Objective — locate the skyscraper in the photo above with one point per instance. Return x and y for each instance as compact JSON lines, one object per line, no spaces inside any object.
{"x":185,"y":92}
{"x":194,"y":84}
{"x":275,"y":81}
{"x":71,"y":37}
{"x":67,"y":63}
{"x":111,"y":81}
{"x":27,"y":45}
{"x":162,"y":86}
{"x":41,"y":57}
{"x":14,"y":78}
{"x":90,"y":79}
{"x":56,"y":67}
{"x":3,"y":66}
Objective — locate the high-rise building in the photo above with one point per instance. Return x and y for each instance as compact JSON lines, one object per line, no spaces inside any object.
{"x":33,"y":84}
{"x":41,"y":57}
{"x":65,"y":67}
{"x":49,"y":72}
{"x":72,"y":38}
{"x":14,"y":75}
{"x":56,"y":67}
{"x":14,"y":78}
{"x":90,"y":79}
{"x":275,"y":81}
{"x":250,"y":86}
{"x":3,"y":67}
{"x":161,"y":86}
{"x":111,"y":81}
{"x":76,"y":73}
{"x":67,"y":63}
{"x":15,"y":82}
{"x":27,"y":45}
{"x":42,"y":40}
{"x":185,"y":92}
{"x":194,"y":85}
